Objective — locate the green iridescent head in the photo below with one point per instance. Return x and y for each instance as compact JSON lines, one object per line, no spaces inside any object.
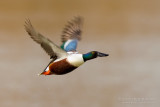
{"x":93,"y":54}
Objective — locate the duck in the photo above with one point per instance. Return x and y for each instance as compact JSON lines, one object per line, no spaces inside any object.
{"x":64,"y":58}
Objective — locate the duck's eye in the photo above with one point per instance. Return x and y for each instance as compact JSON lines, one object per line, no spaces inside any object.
{"x":93,"y":52}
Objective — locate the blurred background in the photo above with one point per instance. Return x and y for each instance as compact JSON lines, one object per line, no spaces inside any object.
{"x":128,"y":30}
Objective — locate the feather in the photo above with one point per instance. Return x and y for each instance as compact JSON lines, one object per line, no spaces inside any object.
{"x":51,"y":49}
{"x":73,"y":29}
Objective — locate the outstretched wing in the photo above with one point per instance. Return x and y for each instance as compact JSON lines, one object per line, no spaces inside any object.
{"x":51,"y":49}
{"x":71,"y":34}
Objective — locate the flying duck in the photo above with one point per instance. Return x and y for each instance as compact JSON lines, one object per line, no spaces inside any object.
{"x":64,"y":58}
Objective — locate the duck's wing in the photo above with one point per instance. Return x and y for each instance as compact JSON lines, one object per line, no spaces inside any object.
{"x":71,"y":34}
{"x":51,"y":49}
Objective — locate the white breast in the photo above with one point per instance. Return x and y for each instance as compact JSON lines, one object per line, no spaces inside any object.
{"x":75,"y":59}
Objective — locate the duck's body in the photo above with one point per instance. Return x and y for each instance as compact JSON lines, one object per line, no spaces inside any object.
{"x":65,"y":58}
{"x":65,"y":65}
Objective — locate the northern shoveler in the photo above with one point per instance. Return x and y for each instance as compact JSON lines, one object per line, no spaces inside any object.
{"x":64,"y":58}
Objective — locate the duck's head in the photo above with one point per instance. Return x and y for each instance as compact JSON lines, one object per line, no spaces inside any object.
{"x":93,"y":54}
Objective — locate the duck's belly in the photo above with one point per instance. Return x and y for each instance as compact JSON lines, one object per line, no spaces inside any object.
{"x":61,"y":67}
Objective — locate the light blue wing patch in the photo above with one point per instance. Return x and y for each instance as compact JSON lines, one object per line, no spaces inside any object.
{"x":70,"y":45}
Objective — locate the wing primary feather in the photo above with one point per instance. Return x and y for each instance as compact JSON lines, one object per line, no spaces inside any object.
{"x":73,"y":29}
{"x":51,"y":49}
